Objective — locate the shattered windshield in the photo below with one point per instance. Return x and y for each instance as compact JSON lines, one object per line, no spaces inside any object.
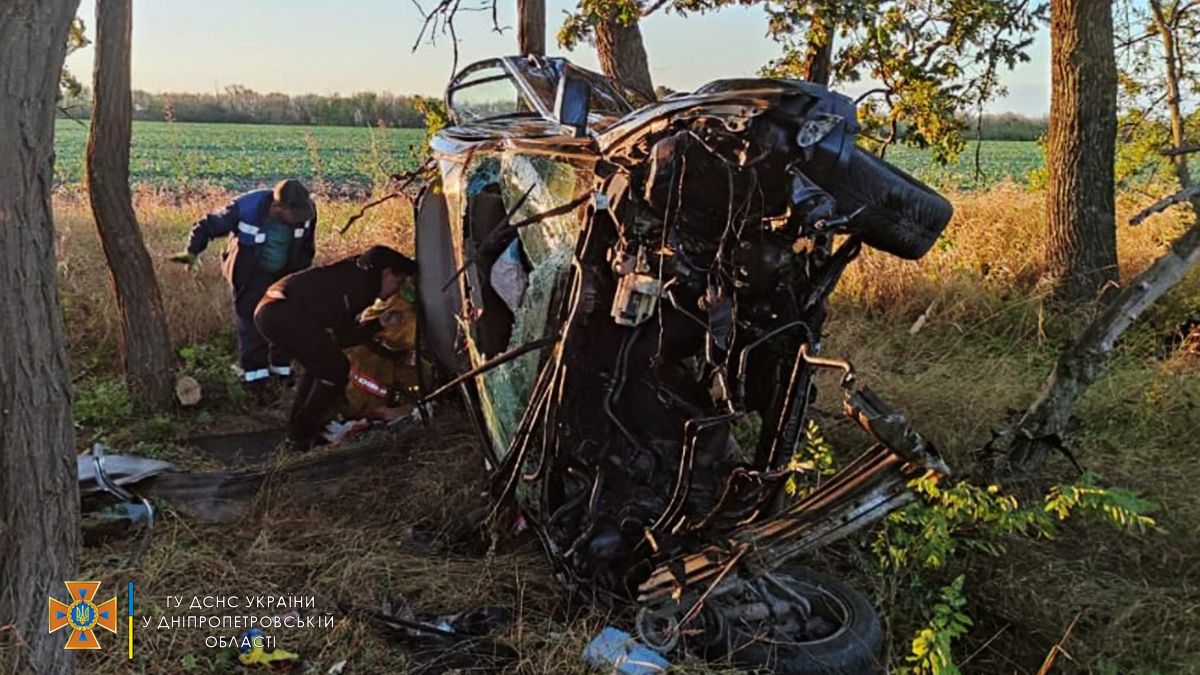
{"x":489,"y":93}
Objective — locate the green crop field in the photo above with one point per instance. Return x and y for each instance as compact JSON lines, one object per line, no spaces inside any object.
{"x":246,"y":155}
{"x":239,"y":156}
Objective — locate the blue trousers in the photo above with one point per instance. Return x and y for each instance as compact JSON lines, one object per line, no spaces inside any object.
{"x":255,"y":354}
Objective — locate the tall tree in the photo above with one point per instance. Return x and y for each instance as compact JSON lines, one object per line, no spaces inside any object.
{"x":1169,"y":18}
{"x":145,"y":344}
{"x":622,"y":54}
{"x":818,"y":49}
{"x":613,"y":26}
{"x":39,"y":496}
{"x":1081,"y":246}
{"x":531,"y":26}
{"x":1155,"y":36}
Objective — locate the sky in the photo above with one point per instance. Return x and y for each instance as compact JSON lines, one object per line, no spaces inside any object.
{"x":346,"y":46}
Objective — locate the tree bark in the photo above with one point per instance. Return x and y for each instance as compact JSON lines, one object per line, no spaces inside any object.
{"x":145,"y":344}
{"x":1086,"y":361}
{"x":818,"y":53}
{"x":623,"y":55}
{"x":39,"y":495}
{"x":531,"y":27}
{"x":1081,"y":253}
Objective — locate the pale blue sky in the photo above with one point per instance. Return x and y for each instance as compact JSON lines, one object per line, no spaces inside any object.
{"x":344,"y":46}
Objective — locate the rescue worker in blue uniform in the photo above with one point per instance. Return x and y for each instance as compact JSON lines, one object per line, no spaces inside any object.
{"x":271,"y":235}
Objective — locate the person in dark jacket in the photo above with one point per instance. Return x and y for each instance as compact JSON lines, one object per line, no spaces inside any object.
{"x":314,"y":315}
{"x":271,"y":235}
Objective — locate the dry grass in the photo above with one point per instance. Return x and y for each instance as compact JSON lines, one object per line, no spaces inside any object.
{"x":983,"y":354}
{"x":984,"y":351}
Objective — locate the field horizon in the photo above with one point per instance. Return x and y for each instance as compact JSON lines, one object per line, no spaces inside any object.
{"x":237,"y":156}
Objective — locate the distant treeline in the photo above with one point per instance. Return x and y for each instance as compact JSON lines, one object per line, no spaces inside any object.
{"x":238,"y":104}
{"x":1010,"y":127}
{"x":243,"y":105}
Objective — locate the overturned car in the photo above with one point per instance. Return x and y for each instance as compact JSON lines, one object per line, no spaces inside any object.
{"x":613,"y":290}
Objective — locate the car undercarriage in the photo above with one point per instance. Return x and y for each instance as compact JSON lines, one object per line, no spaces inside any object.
{"x":677,"y":264}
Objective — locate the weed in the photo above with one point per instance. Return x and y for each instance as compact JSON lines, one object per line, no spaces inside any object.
{"x":210,"y":364}
{"x":929,"y":534}
{"x":931,"y":653}
{"x":811,"y":462}
{"x":102,"y":405}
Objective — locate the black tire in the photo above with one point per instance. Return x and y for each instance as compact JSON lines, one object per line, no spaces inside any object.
{"x":901,"y":215}
{"x":853,"y":648}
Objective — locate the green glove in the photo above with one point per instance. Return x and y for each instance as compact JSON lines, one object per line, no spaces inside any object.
{"x":184,"y":259}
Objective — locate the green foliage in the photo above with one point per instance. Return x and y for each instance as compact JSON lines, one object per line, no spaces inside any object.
{"x":934,"y":61}
{"x":102,"y":404}
{"x":241,"y":105}
{"x":811,"y":462}
{"x":1122,"y":508}
{"x":929,"y":532}
{"x":433,"y":112}
{"x":209,"y":365}
{"x":927,"y":535}
{"x":579,"y":26}
{"x":746,"y":430}
{"x":69,"y":86}
{"x":931,"y":653}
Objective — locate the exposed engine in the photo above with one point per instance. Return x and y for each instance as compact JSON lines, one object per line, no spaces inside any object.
{"x":697,"y":298}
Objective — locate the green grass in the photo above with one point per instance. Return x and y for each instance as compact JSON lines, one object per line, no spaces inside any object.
{"x":239,"y":156}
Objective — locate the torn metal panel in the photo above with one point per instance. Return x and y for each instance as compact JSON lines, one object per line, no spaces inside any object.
{"x":118,"y":470}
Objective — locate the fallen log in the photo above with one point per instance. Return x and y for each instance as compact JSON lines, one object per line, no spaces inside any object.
{"x":1042,"y":427}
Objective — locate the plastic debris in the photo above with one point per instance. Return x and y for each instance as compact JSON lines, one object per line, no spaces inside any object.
{"x":336,"y":432}
{"x":254,"y":653}
{"x":509,"y":277}
{"x":135,"y":512}
{"x":616,"y":651}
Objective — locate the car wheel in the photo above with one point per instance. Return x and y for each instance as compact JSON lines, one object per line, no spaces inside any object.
{"x":835,"y":629}
{"x":900,"y":214}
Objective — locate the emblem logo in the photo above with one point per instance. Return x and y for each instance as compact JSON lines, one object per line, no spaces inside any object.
{"x":83,"y":615}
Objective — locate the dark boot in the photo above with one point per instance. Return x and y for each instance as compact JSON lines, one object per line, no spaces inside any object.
{"x":311,"y":416}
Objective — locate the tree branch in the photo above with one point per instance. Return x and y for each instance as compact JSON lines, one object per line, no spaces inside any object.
{"x":1175,"y":152}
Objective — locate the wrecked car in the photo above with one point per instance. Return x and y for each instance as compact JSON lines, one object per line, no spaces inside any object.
{"x":615,"y":290}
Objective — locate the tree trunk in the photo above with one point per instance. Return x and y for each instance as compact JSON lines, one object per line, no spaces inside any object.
{"x":623,"y":55}
{"x":1081,"y":252}
{"x":39,"y":495}
{"x":1086,"y":361}
{"x":818,"y":52}
{"x":1166,"y":34}
{"x":145,"y":344}
{"x":531,"y":27}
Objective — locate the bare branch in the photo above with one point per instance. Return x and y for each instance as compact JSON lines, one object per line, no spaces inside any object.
{"x":1163,"y":204}
{"x":658,"y":4}
{"x":405,"y":180}
{"x":441,"y":19}
{"x":1175,"y":152}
